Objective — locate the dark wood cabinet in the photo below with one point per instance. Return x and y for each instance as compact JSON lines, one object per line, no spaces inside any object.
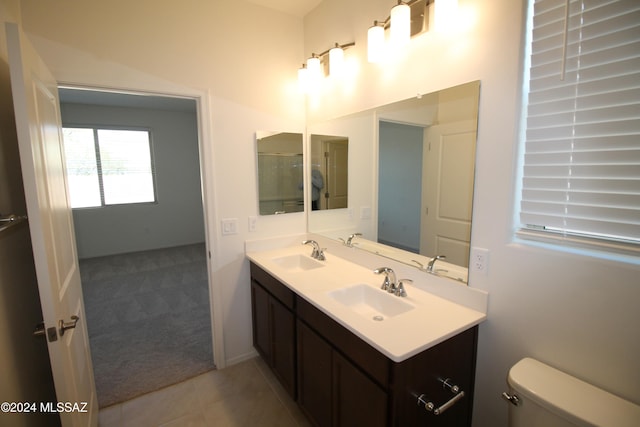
{"x":424,"y":374}
{"x":357,"y":400}
{"x":260,"y":320}
{"x":332,"y":391}
{"x":274,"y":330}
{"x":314,"y":376}
{"x":339,"y":380}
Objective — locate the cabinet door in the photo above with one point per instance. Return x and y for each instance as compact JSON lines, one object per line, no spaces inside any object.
{"x":425,"y":373}
{"x":357,"y":401}
{"x":283,"y":345}
{"x":314,"y":376}
{"x":260,"y":320}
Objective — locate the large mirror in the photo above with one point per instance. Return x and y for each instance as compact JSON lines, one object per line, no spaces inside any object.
{"x":280,"y":172}
{"x":411,"y":173}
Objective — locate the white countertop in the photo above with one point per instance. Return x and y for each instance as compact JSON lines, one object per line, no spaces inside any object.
{"x":432,"y":319}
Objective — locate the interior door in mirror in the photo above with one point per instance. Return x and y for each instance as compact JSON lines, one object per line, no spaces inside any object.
{"x":329,"y":172}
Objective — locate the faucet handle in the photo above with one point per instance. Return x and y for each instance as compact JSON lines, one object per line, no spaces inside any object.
{"x":389,"y":283}
{"x":400,"y":291}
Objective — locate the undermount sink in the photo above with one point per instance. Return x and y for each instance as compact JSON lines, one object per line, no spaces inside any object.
{"x":297,"y":263}
{"x":371,"y":302}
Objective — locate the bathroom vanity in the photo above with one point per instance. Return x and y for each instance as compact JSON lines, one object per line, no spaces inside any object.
{"x":352,"y":354}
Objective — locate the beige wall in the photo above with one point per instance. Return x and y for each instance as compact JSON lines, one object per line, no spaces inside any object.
{"x":574,"y":312}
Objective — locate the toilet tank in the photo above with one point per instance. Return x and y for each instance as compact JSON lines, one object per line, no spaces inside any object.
{"x":548,"y":397}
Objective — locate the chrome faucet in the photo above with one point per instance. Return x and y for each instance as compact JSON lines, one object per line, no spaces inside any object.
{"x":349,"y":241}
{"x":389,"y":283}
{"x":432,"y":261}
{"x":317,"y":252}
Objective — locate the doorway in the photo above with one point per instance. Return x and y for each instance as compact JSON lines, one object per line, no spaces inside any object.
{"x":336,"y":156}
{"x":143,"y":264}
{"x":399,"y":184}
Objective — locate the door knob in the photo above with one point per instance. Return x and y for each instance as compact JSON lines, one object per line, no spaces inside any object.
{"x":63,"y":326}
{"x":41,"y":331}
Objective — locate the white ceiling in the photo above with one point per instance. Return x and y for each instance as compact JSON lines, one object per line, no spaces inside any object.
{"x":293,"y":7}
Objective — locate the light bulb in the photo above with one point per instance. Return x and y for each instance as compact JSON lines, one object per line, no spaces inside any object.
{"x":336,"y":60}
{"x":446,"y":14}
{"x":313,"y":67}
{"x":303,"y":79}
{"x":400,"y":30}
{"x":375,"y":42}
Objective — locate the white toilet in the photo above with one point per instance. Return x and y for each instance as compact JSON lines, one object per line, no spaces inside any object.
{"x":542,"y":396}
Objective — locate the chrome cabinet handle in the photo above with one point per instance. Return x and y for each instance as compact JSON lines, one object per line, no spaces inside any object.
{"x":437,"y":410}
{"x":63,"y":326}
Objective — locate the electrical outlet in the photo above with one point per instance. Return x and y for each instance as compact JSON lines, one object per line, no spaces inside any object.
{"x":480,"y":260}
{"x":253,"y":220}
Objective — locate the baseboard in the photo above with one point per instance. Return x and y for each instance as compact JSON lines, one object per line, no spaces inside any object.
{"x":238,"y":359}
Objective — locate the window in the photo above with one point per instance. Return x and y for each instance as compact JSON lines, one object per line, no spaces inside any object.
{"x":581,"y":167}
{"x":108,"y":166}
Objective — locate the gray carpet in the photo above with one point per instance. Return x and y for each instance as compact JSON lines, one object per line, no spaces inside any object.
{"x":148,"y":320}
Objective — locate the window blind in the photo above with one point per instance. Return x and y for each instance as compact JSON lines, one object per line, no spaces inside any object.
{"x":109,"y":166}
{"x":581,"y":173}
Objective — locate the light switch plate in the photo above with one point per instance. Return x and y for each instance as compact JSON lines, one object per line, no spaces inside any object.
{"x":229,"y":226}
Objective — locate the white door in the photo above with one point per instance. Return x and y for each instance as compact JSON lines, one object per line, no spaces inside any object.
{"x":337,"y":180}
{"x":35,"y":98}
{"x":447,"y":191}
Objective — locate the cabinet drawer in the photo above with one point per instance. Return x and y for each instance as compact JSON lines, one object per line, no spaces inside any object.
{"x":354,"y":348}
{"x":283,"y":294}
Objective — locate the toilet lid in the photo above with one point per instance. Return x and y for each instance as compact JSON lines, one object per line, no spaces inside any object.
{"x":569,"y":397}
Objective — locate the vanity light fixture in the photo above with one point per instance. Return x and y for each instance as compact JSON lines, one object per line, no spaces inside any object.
{"x":330,"y":61}
{"x":406,"y":19}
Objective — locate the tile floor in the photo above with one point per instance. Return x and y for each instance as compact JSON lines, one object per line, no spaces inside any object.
{"x":245,"y":394}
